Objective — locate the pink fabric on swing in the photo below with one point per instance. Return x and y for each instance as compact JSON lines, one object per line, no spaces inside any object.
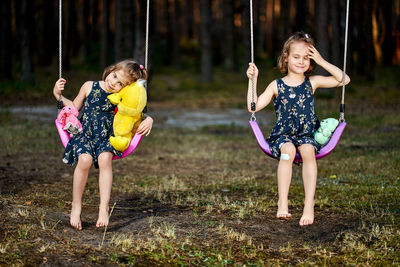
{"x":64,"y":136}
{"x":324,"y":151}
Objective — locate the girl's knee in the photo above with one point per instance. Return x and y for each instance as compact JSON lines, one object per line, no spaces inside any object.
{"x":85,"y":161}
{"x":307,"y":152}
{"x":288,"y":151}
{"x":105,"y":158}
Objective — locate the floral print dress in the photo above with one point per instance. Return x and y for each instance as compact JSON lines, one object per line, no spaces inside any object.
{"x":97,"y":121}
{"x":296,"y":119}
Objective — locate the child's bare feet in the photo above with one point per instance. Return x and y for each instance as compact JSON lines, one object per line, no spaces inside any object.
{"x":308,"y":215}
{"x":102,"y":221}
{"x":75,"y":219}
{"x":283,"y":211}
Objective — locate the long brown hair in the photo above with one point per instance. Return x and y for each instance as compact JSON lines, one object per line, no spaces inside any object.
{"x":282,"y":59}
{"x":133,"y":70}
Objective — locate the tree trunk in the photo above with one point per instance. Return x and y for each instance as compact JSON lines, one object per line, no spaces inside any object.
{"x":301,"y":15}
{"x":123,"y":29}
{"x":206,"y":54}
{"x":188,"y":24}
{"x":140,"y":32}
{"x":70,"y":37}
{"x":388,"y":45}
{"x":284,"y":21}
{"x":169,"y":38}
{"x":5,"y":41}
{"x":337,"y":35}
{"x":262,"y":25}
{"x":270,"y":28}
{"x":176,"y":35}
{"x":26,"y":29}
{"x":119,"y":31}
{"x":322,"y":38}
{"x":246,"y":33}
{"x":367,"y":36}
{"x":105,"y":34}
{"x":46,"y":30}
{"x":227,"y":42}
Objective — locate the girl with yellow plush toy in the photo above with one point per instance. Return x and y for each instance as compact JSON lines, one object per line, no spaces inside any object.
{"x":92,"y":144}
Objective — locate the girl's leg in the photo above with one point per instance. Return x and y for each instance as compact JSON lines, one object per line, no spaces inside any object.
{"x":307,"y":153}
{"x":288,"y":152}
{"x":105,"y":184}
{"x":80,"y":178}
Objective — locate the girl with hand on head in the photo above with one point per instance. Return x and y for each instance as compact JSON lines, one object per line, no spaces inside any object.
{"x":293,"y":98}
{"x":92,"y":145}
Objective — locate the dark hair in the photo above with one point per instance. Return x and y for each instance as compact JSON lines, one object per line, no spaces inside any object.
{"x":133,"y":70}
{"x":282,"y":59}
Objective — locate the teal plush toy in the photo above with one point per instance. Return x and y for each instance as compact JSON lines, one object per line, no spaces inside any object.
{"x":324,"y":132}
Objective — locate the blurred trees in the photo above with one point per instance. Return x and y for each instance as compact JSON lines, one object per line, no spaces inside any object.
{"x":197,"y":34}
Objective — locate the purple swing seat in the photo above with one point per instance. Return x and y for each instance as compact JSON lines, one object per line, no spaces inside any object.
{"x":64,"y":136}
{"x":324,"y":151}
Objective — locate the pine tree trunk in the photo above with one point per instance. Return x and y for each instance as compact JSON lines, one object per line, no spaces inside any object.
{"x":176,"y":35}
{"x":388,"y":45}
{"x":5,"y":41}
{"x":46,"y":30}
{"x":140,"y":32}
{"x":119,"y":30}
{"x":322,"y":38}
{"x":206,"y":54}
{"x":301,"y":15}
{"x":105,"y":34}
{"x":227,"y":42}
{"x":337,"y":35}
{"x":26,"y":29}
{"x":246,"y":33}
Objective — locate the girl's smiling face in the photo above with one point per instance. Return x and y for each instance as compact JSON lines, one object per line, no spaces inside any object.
{"x":298,"y":61}
{"x":115,"y":81}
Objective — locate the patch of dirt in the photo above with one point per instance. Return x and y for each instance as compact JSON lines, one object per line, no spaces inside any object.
{"x":40,"y":177}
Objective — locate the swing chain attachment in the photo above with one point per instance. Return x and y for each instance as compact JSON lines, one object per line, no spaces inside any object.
{"x":59,"y":103}
{"x":253,"y":116}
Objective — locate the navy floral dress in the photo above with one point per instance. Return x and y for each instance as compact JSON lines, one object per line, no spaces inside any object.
{"x":97,"y":121}
{"x":296,"y":119}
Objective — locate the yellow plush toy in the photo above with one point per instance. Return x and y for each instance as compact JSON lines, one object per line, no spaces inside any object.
{"x":131,"y":101}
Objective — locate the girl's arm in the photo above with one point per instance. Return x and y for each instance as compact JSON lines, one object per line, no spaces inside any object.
{"x":57,"y":91}
{"x":83,"y":93}
{"x":319,"y":81}
{"x":78,"y":101}
{"x":145,"y":126}
{"x":266,"y":97}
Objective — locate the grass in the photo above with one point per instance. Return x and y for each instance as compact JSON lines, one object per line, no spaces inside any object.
{"x":207,"y":197}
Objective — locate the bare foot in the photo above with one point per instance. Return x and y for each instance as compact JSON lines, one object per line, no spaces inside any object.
{"x":283,"y":211}
{"x":75,"y":219}
{"x":283,"y":215}
{"x":308,"y":215}
{"x":102,"y":221}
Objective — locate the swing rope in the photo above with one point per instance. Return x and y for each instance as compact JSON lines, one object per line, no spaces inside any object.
{"x":342,"y":105}
{"x":253,"y":104}
{"x":146,"y":52}
{"x":146,"y":55}
{"x":59,"y":101}
{"x":327,"y":148}
{"x":64,"y":136}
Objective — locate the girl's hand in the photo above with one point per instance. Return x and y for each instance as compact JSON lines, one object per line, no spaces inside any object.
{"x":145,"y":126}
{"x":315,"y":55}
{"x":59,"y":87}
{"x":252,"y":71}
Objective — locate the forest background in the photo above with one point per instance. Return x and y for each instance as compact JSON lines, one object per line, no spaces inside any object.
{"x":202,"y":37}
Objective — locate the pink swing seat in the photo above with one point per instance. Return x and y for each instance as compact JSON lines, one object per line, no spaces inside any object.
{"x":65,"y":137}
{"x":324,"y":151}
